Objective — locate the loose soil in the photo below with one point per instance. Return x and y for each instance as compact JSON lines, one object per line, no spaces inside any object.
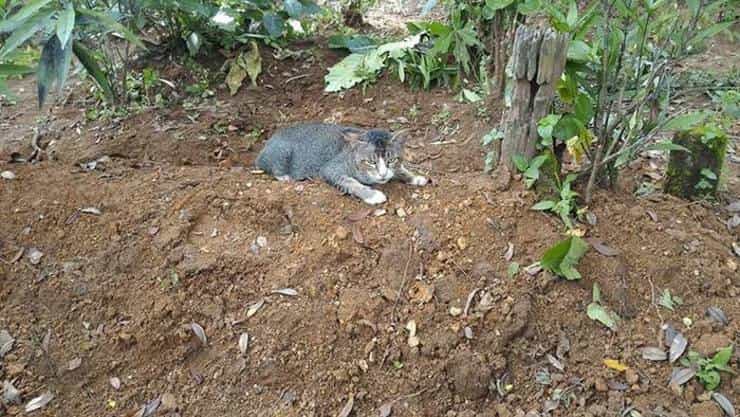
{"x":187,"y":233}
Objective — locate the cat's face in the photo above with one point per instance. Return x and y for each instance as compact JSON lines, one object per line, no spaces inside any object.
{"x":377,"y":158}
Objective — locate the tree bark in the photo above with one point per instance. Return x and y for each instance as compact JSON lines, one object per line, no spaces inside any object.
{"x":535,"y":66}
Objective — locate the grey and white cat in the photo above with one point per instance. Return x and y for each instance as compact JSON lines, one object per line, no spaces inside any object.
{"x":348,"y":158}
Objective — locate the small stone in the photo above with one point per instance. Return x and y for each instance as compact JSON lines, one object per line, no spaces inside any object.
{"x":261,"y":241}
{"x":706,"y":409}
{"x":600,"y":385}
{"x":7,"y":175}
{"x":169,"y":402}
{"x":469,"y":375}
{"x":709,"y":343}
{"x":462,"y":243}
{"x":401,"y":212}
{"x":341,"y":232}
{"x":455,"y":311}
{"x":631,"y":376}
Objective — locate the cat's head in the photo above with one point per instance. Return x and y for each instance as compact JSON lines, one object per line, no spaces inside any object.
{"x":376,"y":154}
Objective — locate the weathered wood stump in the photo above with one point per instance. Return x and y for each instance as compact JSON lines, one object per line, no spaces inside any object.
{"x":696,"y":174}
{"x":535,"y":66}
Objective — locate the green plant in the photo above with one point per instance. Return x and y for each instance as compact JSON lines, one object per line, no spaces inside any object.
{"x":598,"y":312}
{"x":708,"y":370}
{"x":565,"y":205}
{"x":618,"y":81}
{"x":562,"y":258}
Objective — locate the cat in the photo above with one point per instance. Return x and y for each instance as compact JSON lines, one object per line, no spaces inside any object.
{"x":349,"y":158}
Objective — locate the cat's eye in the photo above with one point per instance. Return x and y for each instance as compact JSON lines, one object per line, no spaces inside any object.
{"x":392,"y":160}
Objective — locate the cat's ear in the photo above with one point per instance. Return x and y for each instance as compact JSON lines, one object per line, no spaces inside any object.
{"x":352,"y":135}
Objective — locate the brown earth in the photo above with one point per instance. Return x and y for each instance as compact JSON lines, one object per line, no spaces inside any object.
{"x":186,"y":233}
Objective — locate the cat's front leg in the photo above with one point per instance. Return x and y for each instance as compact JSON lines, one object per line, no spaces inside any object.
{"x":409,"y":177}
{"x":361,"y":191}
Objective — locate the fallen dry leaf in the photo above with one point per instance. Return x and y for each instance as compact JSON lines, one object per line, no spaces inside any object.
{"x":724,"y":404}
{"x":509,"y":252}
{"x":6,"y":342}
{"x":654,"y":354}
{"x":385,"y":410}
{"x":254,"y":308}
{"x":616,"y":365}
{"x":715,"y":313}
{"x":357,"y":234}
{"x":91,"y":210}
{"x":39,"y":402}
{"x":199,"y":333}
{"x":678,"y":346}
{"x":11,"y":395}
{"x":347,"y":409}
{"x":243,"y":343}
{"x":680,"y":376}
{"x":602,"y":248}
{"x":555,"y":362}
{"x":289,"y":292}
{"x":18,"y":256}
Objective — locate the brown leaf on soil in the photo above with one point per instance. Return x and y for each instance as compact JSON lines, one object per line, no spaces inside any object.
{"x":39,"y":402}
{"x":716,"y":314}
{"x":288,"y":292}
{"x":509,"y":252}
{"x":724,"y":404}
{"x":654,"y":354}
{"x":17,"y":256}
{"x":254,"y":308}
{"x":600,"y":247}
{"x":678,"y":347}
{"x":681,"y":376}
{"x":652,"y":215}
{"x":199,"y":333}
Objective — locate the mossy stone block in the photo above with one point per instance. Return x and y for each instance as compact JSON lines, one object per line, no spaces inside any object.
{"x":695,"y":174}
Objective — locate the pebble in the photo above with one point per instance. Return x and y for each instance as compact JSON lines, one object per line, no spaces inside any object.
{"x":600,"y":385}
{"x":7,"y":175}
{"x":631,"y":376}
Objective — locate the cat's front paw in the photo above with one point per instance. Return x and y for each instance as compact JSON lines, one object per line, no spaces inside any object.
{"x":418,"y":180}
{"x":375,"y":197}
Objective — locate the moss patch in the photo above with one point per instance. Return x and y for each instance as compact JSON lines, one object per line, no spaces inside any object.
{"x":695,"y":174}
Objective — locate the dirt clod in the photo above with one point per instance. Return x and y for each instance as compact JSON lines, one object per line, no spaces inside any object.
{"x":469,"y":375}
{"x":706,"y":409}
{"x":709,"y":343}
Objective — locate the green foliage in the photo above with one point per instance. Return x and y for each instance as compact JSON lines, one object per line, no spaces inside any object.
{"x":598,"y":312}
{"x":562,"y":258}
{"x":69,"y":28}
{"x":709,"y":370}
{"x":565,"y":204}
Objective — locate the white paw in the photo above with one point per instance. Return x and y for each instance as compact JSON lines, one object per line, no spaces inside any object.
{"x":419,"y":180}
{"x":376,"y":197}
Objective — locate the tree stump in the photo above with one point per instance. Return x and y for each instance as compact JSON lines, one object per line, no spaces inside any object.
{"x":535,"y":66}
{"x":696,"y":174}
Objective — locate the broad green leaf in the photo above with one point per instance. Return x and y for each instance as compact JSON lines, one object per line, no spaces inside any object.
{"x":722,"y":357}
{"x":598,"y":313}
{"x":294,"y":8}
{"x":584,"y":108}
{"x":310,"y":7}
{"x":667,"y":145}
{"x":580,"y":51}
{"x":546,"y":125}
{"x":498,"y":4}
{"x":544,"y":205}
{"x":711,"y":31}
{"x":5,"y":92}
{"x":65,"y":23}
{"x":274,"y":24}
{"x":344,"y":74}
{"x":709,"y":174}
{"x":15,"y":21}
{"x":7,"y":70}
{"x":253,"y":63}
{"x":685,"y":121}
{"x":520,"y":162}
{"x":693,"y":6}
{"x":25,"y":31}
{"x":562,"y":258}
{"x":354,"y":43}
{"x":572,"y":17}
{"x":88,"y":61}
{"x":109,"y":23}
